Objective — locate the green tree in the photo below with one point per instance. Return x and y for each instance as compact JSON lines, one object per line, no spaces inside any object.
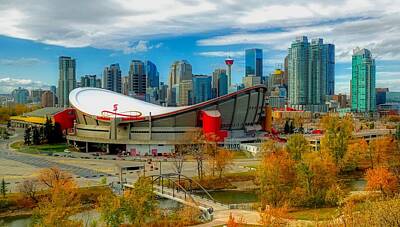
{"x":287,"y":127}
{"x":48,"y":131}
{"x":3,"y":188}
{"x":27,"y":136}
{"x":139,"y":203}
{"x":297,"y":145}
{"x":337,"y":135}
{"x":36,"y":136}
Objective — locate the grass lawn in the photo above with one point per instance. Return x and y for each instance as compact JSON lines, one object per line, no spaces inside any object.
{"x":252,"y":166}
{"x":234,"y":197}
{"x":315,"y":214}
{"x":39,"y":149}
{"x":241,"y":154}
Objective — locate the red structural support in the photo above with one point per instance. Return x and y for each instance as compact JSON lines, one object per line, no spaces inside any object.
{"x":212,"y":125}
{"x":65,"y":118}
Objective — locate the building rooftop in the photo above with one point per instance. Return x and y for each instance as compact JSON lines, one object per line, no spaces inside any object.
{"x":47,"y":111}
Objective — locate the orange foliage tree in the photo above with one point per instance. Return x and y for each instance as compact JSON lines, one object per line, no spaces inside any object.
{"x":223,"y":159}
{"x":355,"y":156}
{"x":61,"y":202}
{"x":381,"y":179}
{"x":276,"y":177}
{"x":381,"y":151}
{"x":337,"y":135}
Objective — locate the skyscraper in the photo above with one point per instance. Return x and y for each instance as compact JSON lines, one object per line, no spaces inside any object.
{"x":125,"y":85}
{"x":254,"y":62}
{"x":90,"y":81}
{"x":67,"y":79}
{"x":112,"y":78}
{"x":152,"y":75}
{"x":219,"y":83}
{"x":310,"y":73}
{"x":180,"y":71}
{"x":363,"y":97}
{"x":298,"y":72}
{"x":201,"y":88}
{"x":137,"y":79}
{"x":20,"y":95}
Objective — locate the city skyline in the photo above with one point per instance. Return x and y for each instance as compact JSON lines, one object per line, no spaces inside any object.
{"x":29,"y":53}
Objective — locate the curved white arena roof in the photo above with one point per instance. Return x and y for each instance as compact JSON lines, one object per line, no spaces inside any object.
{"x":95,"y":101}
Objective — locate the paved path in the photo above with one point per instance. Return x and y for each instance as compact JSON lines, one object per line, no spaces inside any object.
{"x":42,"y":162}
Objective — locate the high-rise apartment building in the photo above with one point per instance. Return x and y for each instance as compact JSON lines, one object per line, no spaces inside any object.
{"x":363,"y":97}
{"x":47,"y":99}
{"x":112,"y":78}
{"x":254,"y":62}
{"x":201,"y":88}
{"x":180,"y":71}
{"x":67,"y":79}
{"x":310,"y":74}
{"x":185,"y":93}
{"x":125,"y":85}
{"x":90,"y":81}
{"x":137,"y":79}
{"x":20,"y":95}
{"x":36,"y":95}
{"x":219,"y":83}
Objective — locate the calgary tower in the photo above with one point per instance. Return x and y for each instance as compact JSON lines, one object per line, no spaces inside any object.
{"x":229,"y":63}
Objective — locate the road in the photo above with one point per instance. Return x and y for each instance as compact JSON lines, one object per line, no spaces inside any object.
{"x":16,"y":166}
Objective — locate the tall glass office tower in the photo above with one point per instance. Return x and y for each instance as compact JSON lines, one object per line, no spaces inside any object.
{"x":363,"y":97}
{"x":254,"y":62}
{"x":152,"y":75}
{"x":201,"y":88}
{"x":67,"y":79}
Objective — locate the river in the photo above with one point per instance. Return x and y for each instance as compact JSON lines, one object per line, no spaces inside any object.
{"x":87,"y":216}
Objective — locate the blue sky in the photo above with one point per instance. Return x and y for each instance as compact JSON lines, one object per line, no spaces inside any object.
{"x":32,"y":36}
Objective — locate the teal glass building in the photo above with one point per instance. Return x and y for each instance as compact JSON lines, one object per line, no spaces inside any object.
{"x":363,"y":98}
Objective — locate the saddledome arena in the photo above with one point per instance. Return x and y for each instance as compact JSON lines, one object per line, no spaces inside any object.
{"x":121,"y":123}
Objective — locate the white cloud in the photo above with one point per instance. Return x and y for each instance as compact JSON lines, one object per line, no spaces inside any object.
{"x":19,"y":61}
{"x":7,"y":84}
{"x":123,"y":24}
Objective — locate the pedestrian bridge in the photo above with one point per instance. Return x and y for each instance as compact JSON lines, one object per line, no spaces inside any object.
{"x":180,"y":188}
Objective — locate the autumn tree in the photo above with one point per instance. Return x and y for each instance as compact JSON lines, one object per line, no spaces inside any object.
{"x":212,"y":149}
{"x":235,"y":222}
{"x":274,"y":216}
{"x":223,"y":160}
{"x":381,"y":151}
{"x":355,"y":156}
{"x":139,"y":203}
{"x":53,"y":177}
{"x":270,"y":146}
{"x":196,"y":147}
{"x":29,"y":189}
{"x":337,"y":135}
{"x":297,"y":145}
{"x":315,"y":175}
{"x":60,"y":203}
{"x":111,"y":210}
{"x":276,"y":177}
{"x":380,"y":178}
